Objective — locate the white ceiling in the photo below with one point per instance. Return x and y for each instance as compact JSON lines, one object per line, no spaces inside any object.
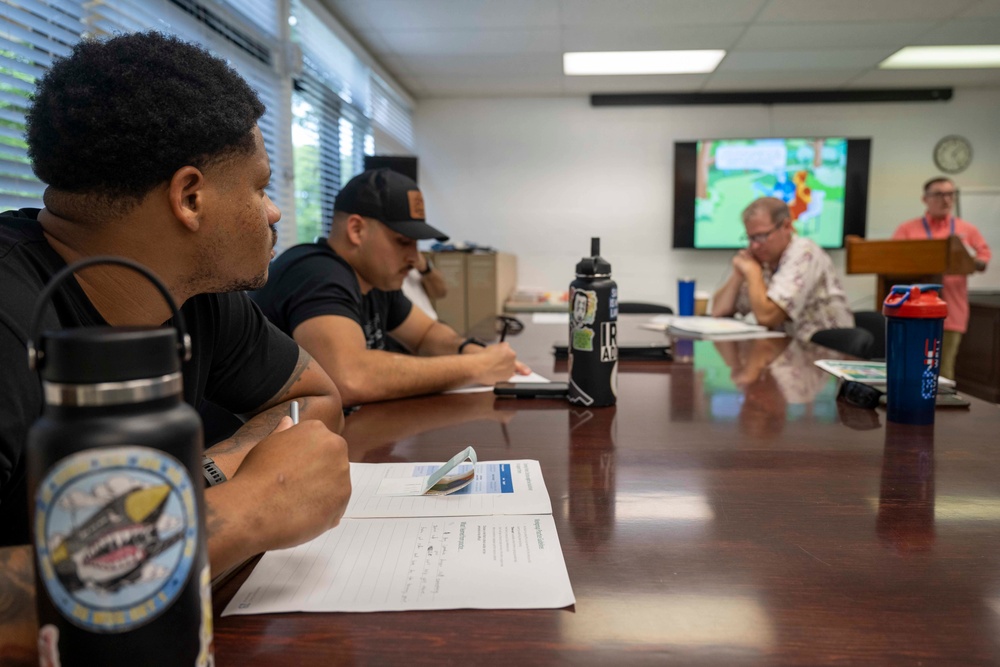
{"x":489,"y":48}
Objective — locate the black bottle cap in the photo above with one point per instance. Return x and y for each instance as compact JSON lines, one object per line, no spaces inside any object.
{"x":594,"y":265}
{"x":89,"y":355}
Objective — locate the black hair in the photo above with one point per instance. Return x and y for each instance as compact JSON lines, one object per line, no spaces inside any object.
{"x":116,"y":118}
{"x":935,"y":180}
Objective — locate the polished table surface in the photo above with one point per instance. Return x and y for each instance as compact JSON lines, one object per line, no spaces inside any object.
{"x":728,"y":511}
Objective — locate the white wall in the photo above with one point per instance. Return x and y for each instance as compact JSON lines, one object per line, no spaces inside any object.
{"x":539,"y":176}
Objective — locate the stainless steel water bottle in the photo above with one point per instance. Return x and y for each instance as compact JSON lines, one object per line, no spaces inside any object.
{"x":115,"y":493}
{"x":593,"y":332}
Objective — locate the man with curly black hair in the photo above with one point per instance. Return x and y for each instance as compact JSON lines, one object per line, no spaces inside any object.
{"x":150,"y":149}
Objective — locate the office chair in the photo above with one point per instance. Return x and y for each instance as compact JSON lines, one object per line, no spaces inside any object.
{"x":638,"y":307}
{"x":873,"y":322}
{"x":856,"y":342}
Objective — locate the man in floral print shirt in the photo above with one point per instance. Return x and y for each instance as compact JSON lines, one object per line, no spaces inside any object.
{"x":786,"y":281}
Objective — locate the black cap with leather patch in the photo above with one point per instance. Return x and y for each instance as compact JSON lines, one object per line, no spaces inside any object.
{"x":392,"y":199}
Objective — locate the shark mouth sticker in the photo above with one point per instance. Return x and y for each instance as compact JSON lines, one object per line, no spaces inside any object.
{"x":116,"y":532}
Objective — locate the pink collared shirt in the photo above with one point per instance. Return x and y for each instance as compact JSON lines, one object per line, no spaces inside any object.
{"x":955,"y":289}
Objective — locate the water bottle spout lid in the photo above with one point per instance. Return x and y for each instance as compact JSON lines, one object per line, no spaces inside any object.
{"x":915,"y":301}
{"x":595,"y":265}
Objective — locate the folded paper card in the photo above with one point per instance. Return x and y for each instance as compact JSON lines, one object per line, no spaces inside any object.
{"x":437,"y":483}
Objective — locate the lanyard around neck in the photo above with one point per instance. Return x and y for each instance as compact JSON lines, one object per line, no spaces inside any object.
{"x":927,"y":227}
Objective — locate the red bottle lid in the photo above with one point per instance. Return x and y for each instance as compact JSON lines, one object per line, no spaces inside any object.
{"x":918,"y":301}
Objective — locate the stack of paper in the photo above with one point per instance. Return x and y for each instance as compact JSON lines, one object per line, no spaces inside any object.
{"x":476,"y":388}
{"x":866,"y":372}
{"x":491,"y":545}
{"x":711,"y":328}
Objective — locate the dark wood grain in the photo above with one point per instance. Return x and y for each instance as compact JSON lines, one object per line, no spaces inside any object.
{"x":728,"y":511}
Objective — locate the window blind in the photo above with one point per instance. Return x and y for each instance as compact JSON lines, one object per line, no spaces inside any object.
{"x":332,"y":101}
{"x":391,"y":114}
{"x":32,"y":34}
{"x":246,"y":48}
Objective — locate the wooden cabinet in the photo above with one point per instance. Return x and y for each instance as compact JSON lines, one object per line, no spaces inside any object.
{"x":478,"y":287}
{"x":978,"y":364}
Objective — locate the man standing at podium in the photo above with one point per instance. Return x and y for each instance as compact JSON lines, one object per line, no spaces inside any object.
{"x":938,"y":222}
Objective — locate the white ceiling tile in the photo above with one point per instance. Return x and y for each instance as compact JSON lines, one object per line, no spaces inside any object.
{"x":964,"y":31}
{"x":351,"y":13}
{"x":586,"y":85}
{"x":645,"y":13}
{"x":372,"y":41}
{"x":647,"y":38}
{"x":743,"y":81}
{"x":511,"y":47}
{"x":463,"y":42}
{"x":802,"y":60}
{"x":512,"y":65}
{"x":920,"y":78}
{"x":801,"y":11}
{"x":833,"y":35}
{"x":983,"y":9}
{"x":450,"y":14}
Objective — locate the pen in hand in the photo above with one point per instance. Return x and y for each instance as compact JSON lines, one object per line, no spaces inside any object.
{"x":293,"y":412}
{"x":503,"y":332}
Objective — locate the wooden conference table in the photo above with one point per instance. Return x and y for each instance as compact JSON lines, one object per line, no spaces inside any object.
{"x":728,"y":511}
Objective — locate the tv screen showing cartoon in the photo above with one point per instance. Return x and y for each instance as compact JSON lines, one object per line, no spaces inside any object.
{"x":823,"y":180}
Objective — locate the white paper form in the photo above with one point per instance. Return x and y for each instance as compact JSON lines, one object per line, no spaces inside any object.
{"x":482,"y":562}
{"x":477,"y":388}
{"x":500,"y":487}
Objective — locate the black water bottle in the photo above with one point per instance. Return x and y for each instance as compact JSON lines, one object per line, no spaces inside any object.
{"x":116,"y":495}
{"x":593,"y":335}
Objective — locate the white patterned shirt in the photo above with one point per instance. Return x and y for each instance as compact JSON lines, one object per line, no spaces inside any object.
{"x":804,"y":285}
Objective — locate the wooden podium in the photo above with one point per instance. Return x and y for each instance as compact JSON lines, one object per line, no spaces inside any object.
{"x":907,"y":262}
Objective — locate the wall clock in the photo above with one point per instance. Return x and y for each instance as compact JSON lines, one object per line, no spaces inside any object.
{"x":953,"y":154}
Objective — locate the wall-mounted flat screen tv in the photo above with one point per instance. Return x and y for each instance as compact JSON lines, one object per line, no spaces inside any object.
{"x":824,"y":181}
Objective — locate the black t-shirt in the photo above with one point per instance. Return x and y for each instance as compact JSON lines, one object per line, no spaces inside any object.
{"x":239,"y":360}
{"x":311,"y":280}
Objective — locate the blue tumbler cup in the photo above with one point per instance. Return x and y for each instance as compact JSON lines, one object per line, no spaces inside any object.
{"x":914,"y":327}
{"x":685,"y":296}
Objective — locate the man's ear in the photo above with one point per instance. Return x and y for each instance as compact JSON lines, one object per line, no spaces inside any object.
{"x":186,"y":196}
{"x":357,"y":229}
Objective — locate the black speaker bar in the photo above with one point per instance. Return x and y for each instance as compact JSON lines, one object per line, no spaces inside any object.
{"x":772,"y":97}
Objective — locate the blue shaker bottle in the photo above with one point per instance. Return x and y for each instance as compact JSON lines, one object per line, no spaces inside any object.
{"x":685,"y":296}
{"x":914,"y":328}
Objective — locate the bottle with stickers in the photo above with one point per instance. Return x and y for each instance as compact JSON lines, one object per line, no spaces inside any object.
{"x":116,"y":494}
{"x":593,"y":335}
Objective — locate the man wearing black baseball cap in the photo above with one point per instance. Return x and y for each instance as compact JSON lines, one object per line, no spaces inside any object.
{"x":340,"y":297}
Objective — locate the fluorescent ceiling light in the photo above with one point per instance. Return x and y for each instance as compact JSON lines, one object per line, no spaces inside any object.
{"x":943,"y":57}
{"x":591,"y":63}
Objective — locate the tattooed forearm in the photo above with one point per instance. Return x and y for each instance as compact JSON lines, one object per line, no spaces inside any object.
{"x":260,"y":425}
{"x":18,"y":627}
{"x":17,"y":585}
{"x":214,"y":521}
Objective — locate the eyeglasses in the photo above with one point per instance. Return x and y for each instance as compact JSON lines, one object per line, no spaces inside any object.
{"x":942,"y":195}
{"x":508,"y":326}
{"x":763,"y":236}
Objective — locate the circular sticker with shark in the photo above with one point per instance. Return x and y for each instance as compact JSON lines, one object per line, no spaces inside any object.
{"x":116,"y":531}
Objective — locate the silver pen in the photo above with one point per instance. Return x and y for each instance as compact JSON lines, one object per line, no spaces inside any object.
{"x":293,"y":411}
